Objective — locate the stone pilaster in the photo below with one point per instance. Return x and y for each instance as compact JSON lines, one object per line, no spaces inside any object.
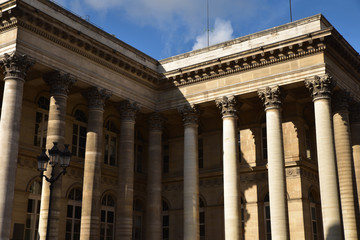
{"x":272,"y":98}
{"x":124,"y":206}
{"x":90,"y":212}
{"x":190,"y":115}
{"x":59,"y":87}
{"x":320,"y":89}
{"x":154,"y":178}
{"x":232,"y":195}
{"x":355,"y":140}
{"x":345,"y":162}
{"x":15,"y":66}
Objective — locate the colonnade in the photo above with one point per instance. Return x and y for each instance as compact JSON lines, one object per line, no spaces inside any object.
{"x":320,"y":88}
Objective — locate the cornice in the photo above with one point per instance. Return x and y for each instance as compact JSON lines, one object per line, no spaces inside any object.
{"x":248,"y":60}
{"x":39,"y":23}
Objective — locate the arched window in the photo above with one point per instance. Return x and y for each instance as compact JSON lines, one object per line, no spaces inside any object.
{"x":107,"y":231}
{"x":202,"y":218}
{"x":33,"y":211}
{"x":138,"y":151}
{"x":166,"y":221}
{"x":41,"y":122}
{"x":110,"y":148}
{"x":137,"y":220}
{"x":79,"y":134}
{"x":73,"y":217}
{"x":267,"y":217}
{"x":313,"y":214}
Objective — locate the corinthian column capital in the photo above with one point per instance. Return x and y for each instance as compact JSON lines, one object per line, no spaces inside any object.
{"x":156,"y":121}
{"x":59,"y":82}
{"x":228,"y":106}
{"x":320,"y":87}
{"x":128,"y":110}
{"x":96,"y":97}
{"x":341,"y":101}
{"x":190,"y":114}
{"x":272,"y":97}
{"x":15,"y":65}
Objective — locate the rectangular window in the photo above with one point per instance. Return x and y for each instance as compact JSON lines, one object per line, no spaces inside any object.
{"x":308,"y":143}
{"x":201,"y":153}
{"x":264,"y":142}
{"x":110,"y":150}
{"x":79,"y":140}
{"x":40,"y":129}
{"x":166,"y":158}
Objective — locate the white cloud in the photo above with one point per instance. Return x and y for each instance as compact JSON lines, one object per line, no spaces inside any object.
{"x":222,"y":32}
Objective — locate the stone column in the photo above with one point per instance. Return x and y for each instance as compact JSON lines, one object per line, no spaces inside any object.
{"x":90,"y":212}
{"x":190,"y":115}
{"x":272,"y":98}
{"x":320,"y":89}
{"x":154,"y":178}
{"x":355,"y":139}
{"x":15,"y":66}
{"x":59,"y":87}
{"x":345,"y":163}
{"x":232,"y":194}
{"x":124,"y":206}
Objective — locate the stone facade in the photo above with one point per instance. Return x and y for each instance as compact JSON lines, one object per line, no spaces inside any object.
{"x":224,"y":142}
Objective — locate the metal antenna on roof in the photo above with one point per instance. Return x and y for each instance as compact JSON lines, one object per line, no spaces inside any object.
{"x":208,"y":28}
{"x":290,"y":11}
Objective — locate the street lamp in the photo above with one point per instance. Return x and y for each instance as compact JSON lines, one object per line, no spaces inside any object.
{"x":57,"y":158}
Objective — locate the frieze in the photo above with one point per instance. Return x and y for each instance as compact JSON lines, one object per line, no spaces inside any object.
{"x":77,"y":42}
{"x":59,"y":82}
{"x":272,"y":97}
{"x":228,"y":106}
{"x":97,"y":97}
{"x":320,"y":87}
{"x":15,"y":65}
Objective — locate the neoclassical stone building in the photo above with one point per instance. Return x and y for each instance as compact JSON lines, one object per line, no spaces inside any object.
{"x":254,"y":138}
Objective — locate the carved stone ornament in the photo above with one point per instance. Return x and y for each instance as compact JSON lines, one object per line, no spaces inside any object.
{"x":96,"y":97}
{"x":341,"y":101}
{"x":15,"y":65}
{"x":320,"y":87}
{"x":128,"y":110}
{"x":272,"y":97}
{"x":190,"y":114}
{"x":228,"y":106}
{"x":59,"y":82}
{"x":156,"y":121}
{"x":355,"y":113}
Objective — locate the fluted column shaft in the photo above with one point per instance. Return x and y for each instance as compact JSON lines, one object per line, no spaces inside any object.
{"x":59,"y":86}
{"x":154,"y":178}
{"x":320,"y":89}
{"x":15,"y":69}
{"x":190,"y":115}
{"x":232,"y":194}
{"x":90,"y":212}
{"x":355,"y":139}
{"x":345,"y":163}
{"x":272,"y":98}
{"x":124,"y":206}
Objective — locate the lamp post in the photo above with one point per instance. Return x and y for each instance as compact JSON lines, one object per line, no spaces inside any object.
{"x":57,"y":158}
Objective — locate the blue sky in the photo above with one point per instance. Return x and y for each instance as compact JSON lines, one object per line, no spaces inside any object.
{"x":164,"y":28}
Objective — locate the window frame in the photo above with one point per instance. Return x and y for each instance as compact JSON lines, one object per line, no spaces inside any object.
{"x":108,"y":208}
{"x":81,"y":124}
{"x":35,"y":214}
{"x":43,"y":109}
{"x":76,"y":204}
{"x":110,"y":132}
